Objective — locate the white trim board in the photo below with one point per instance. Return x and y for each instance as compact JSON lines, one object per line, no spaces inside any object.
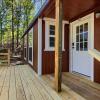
{"x":39,"y":46}
{"x":25,"y":38}
{"x":53,"y":20}
{"x":91,"y":18}
{"x":95,"y":53}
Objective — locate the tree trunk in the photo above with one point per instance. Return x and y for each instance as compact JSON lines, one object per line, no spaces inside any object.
{"x":12,"y":28}
{"x":17,"y":34}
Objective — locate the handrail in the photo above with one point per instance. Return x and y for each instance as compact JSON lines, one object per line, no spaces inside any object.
{"x":95,"y":53}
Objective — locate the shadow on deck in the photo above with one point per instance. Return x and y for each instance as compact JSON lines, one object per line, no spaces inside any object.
{"x":74,"y":85}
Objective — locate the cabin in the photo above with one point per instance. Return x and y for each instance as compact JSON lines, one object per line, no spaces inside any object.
{"x":80,"y":35}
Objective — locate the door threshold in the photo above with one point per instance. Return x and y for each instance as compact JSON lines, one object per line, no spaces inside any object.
{"x":82,"y":75}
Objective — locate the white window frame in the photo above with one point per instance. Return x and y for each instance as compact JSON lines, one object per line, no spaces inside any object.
{"x":48,"y":22}
{"x":24,"y":53}
{"x":25,"y":58}
{"x":31,"y":62}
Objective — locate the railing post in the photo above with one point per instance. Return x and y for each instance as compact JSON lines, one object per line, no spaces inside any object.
{"x":58,"y":45}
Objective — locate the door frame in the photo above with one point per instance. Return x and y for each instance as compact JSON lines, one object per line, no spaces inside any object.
{"x":91,"y":17}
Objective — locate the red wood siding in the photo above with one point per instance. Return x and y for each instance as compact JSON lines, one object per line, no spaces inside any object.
{"x":35,"y":46}
{"x":48,"y":57}
{"x":97,"y":46}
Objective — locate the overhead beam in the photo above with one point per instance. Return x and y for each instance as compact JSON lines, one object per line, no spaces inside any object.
{"x":58,"y":45}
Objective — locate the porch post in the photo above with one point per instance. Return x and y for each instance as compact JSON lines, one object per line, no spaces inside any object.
{"x":58,"y":45}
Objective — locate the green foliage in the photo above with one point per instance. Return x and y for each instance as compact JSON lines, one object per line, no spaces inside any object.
{"x":23,"y":13}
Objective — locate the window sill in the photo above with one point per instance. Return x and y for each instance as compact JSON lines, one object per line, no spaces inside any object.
{"x":52,"y":49}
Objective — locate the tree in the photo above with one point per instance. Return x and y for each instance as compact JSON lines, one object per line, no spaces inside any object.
{"x":15,"y":16}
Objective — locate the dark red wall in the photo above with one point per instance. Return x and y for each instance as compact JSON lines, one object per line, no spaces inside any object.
{"x":97,"y":46}
{"x":48,"y":57}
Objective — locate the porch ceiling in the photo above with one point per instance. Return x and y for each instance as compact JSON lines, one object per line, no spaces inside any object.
{"x":72,"y":8}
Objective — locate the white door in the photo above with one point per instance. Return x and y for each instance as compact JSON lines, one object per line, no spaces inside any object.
{"x":82,"y":62}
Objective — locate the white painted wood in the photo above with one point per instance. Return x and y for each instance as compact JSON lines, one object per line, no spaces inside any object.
{"x":39,"y":46}
{"x":25,"y":46}
{"x":95,"y":53}
{"x":84,"y":62}
{"x":31,"y":31}
{"x":53,"y":20}
{"x":48,"y":22}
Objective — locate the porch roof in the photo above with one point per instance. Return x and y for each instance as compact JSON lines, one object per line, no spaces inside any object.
{"x":72,"y":9}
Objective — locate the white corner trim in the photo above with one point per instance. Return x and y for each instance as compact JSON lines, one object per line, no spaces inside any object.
{"x":39,"y":46}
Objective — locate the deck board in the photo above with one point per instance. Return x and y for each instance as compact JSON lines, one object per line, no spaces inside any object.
{"x":22,"y":83}
{"x":82,"y":86}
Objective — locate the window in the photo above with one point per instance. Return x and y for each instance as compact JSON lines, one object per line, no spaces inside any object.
{"x":50,"y":35}
{"x":25,"y":47}
{"x":25,"y":52}
{"x":30,"y":49}
{"x":82,"y":37}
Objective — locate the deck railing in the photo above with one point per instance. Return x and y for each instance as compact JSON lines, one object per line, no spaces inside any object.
{"x":95,"y":53}
{"x":5,"y":57}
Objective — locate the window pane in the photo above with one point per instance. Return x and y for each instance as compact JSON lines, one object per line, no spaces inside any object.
{"x":30,"y":54}
{"x":81,"y":28}
{"x":52,"y":27}
{"x":77,"y":30}
{"x":52,"y":30}
{"x":77,"y":38}
{"x":30,"y":38}
{"x":85,"y":27}
{"x":81,"y":37}
{"x":77,"y":46}
{"x":86,"y":36}
{"x":85,"y":46}
{"x":52,"y":41}
{"x":25,"y":52}
{"x":81,"y":46}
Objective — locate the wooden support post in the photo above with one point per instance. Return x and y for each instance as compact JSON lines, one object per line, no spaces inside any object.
{"x":58,"y":45}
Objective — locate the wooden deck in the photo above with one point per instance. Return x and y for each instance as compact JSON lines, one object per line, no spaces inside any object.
{"x":74,"y":84}
{"x":22,"y":83}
